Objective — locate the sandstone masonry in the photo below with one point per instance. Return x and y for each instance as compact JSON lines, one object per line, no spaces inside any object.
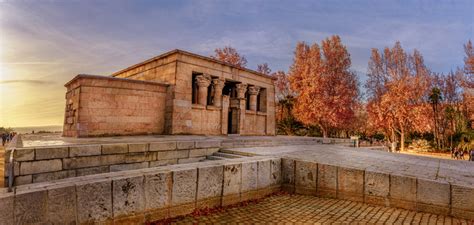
{"x":175,"y":93}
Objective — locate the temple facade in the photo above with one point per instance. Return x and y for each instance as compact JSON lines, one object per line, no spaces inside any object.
{"x":174,"y":93}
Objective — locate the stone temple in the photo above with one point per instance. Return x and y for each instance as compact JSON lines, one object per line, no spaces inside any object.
{"x":177,"y":92}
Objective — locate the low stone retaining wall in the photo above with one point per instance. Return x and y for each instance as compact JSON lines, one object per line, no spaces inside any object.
{"x":33,"y":165}
{"x":138,"y":196}
{"x":373,"y":187}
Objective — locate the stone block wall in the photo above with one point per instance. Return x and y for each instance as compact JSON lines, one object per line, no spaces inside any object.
{"x":140,"y":196}
{"x":150,"y":194}
{"x":374,"y":187}
{"x":33,"y":165}
{"x":104,"y":106}
{"x":206,"y":120}
{"x":40,"y":164}
{"x":255,"y":123}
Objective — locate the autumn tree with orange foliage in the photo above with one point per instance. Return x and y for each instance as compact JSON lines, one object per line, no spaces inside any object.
{"x":469,"y":58}
{"x":397,"y":86}
{"x":468,"y":81}
{"x":327,"y":91}
{"x":229,"y":55}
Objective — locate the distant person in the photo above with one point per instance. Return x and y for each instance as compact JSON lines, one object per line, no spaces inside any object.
{"x":4,"y":139}
{"x":471,"y":155}
{"x":461,"y":154}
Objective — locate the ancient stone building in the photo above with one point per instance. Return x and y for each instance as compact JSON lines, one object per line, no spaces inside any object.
{"x":174,"y":93}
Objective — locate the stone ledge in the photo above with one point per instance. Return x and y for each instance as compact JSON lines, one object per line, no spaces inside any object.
{"x":391,"y":190}
{"x":176,"y":190}
{"x":136,"y":196}
{"x":197,"y":106}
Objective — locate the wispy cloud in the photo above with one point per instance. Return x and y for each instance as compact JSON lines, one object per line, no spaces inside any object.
{"x":26,"y":82}
{"x":37,"y":63}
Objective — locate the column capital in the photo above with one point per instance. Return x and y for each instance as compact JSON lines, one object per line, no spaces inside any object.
{"x":253,"y":90}
{"x":218,"y":83}
{"x":203,"y":81}
{"x":241,"y":88}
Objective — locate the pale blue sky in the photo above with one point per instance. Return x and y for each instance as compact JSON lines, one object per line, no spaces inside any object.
{"x":43,"y":44}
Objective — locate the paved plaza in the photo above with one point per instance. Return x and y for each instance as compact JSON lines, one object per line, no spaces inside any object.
{"x":453,"y":171}
{"x":299,"y":209}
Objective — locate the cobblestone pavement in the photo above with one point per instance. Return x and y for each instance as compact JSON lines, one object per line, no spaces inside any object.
{"x":299,"y":209}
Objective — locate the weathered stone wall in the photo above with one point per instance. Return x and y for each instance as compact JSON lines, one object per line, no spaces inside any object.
{"x":255,"y":123}
{"x":102,"y":106}
{"x":377,"y":187}
{"x":40,"y":164}
{"x":206,"y":120}
{"x":160,"y":70}
{"x":33,"y":165}
{"x":139,"y":196}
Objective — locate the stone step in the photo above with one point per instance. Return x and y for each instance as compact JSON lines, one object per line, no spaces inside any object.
{"x":226,"y":155}
{"x":236,"y":152}
{"x":213,"y":157}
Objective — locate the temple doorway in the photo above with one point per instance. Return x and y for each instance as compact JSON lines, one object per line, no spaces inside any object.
{"x":233,"y":111}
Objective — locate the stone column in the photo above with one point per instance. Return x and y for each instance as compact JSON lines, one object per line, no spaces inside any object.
{"x":218,"y":86}
{"x":202,"y":82}
{"x":241,"y":88}
{"x":253,"y":92}
{"x":225,"y":114}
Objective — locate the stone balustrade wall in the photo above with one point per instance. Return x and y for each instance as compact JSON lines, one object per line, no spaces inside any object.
{"x":138,"y":196}
{"x":377,"y":187}
{"x":33,"y":165}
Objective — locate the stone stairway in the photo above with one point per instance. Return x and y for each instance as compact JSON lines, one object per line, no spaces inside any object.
{"x":220,"y":155}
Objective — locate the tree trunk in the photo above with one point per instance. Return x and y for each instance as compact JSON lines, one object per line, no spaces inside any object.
{"x":325,"y":132}
{"x":435,"y":132}
{"x":451,"y":138}
{"x":402,"y":140}
{"x":392,"y":148}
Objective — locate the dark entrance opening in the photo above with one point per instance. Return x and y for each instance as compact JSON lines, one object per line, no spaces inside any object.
{"x":229,"y":122}
{"x":232,"y":117}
